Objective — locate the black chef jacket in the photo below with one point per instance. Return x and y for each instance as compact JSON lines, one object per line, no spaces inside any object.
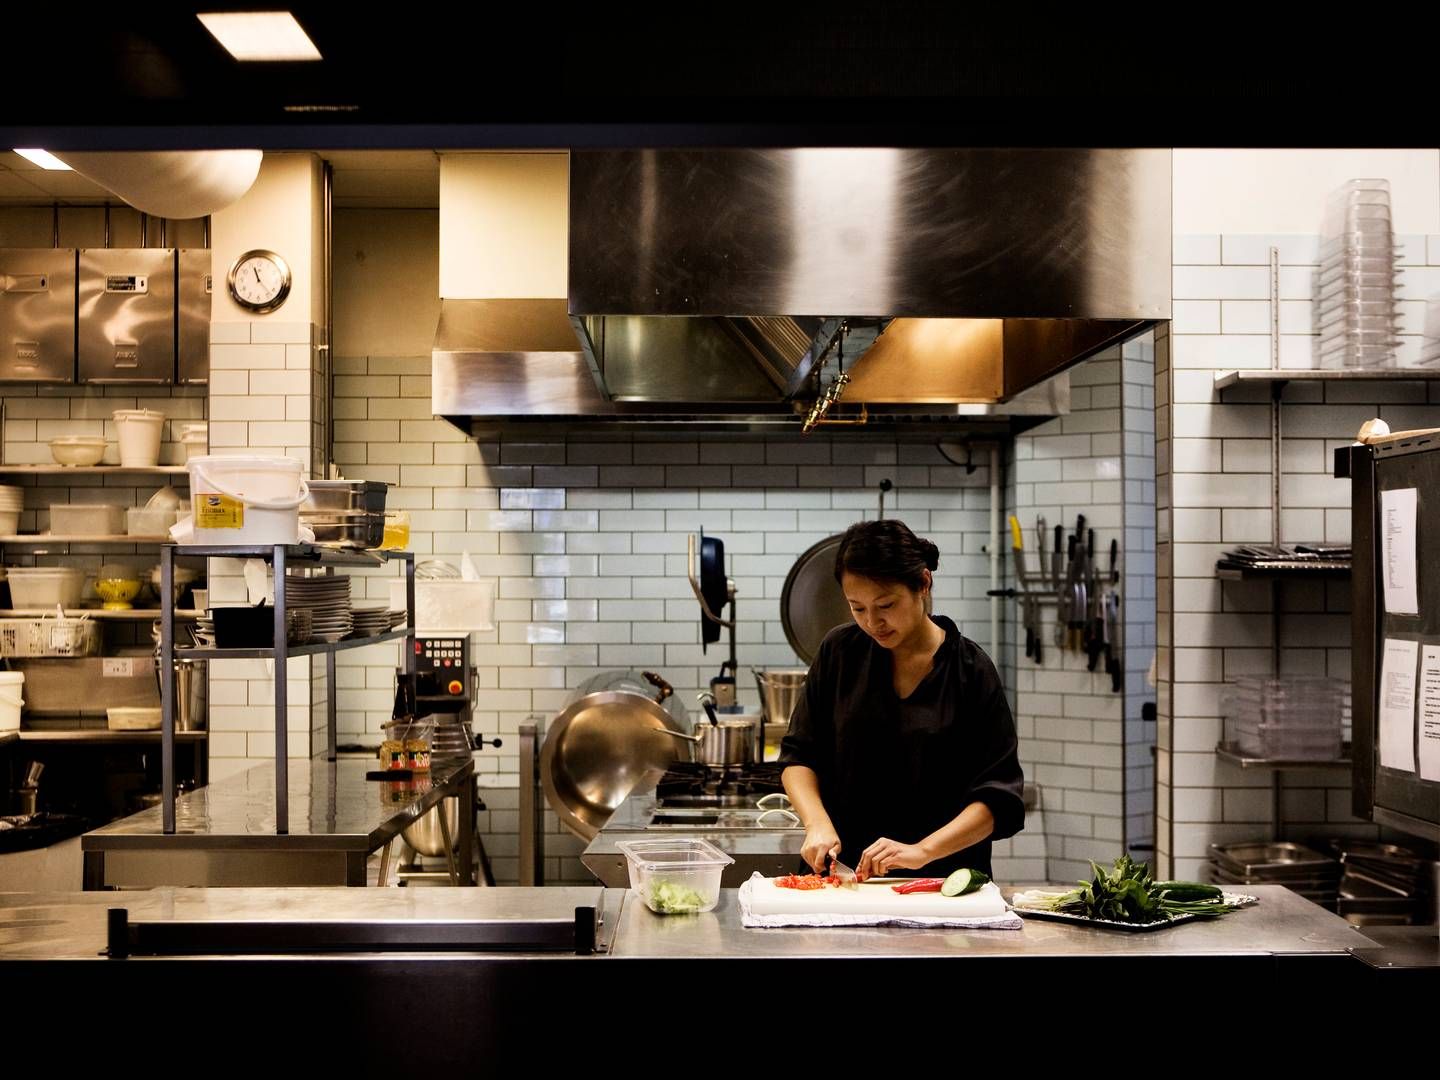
{"x":902,"y":768}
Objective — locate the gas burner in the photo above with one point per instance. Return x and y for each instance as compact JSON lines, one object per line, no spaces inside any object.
{"x":694,"y":780}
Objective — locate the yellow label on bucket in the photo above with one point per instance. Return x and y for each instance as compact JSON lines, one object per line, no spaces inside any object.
{"x":218,"y":512}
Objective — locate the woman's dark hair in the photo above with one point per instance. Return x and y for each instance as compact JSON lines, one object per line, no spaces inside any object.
{"x":886,"y":551}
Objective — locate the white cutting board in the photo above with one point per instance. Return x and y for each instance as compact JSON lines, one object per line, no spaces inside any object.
{"x":766,"y":898}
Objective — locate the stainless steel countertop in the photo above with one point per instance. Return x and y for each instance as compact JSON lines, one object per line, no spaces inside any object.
{"x":332,"y":808}
{"x":1281,"y":923}
{"x":631,"y":817}
{"x":73,"y":925}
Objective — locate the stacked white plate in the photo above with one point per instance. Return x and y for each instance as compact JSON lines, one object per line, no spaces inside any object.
{"x":12,"y":502}
{"x":372,"y":621}
{"x":328,"y":601}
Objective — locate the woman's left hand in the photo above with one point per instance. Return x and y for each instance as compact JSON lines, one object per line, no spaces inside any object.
{"x":885,"y":855}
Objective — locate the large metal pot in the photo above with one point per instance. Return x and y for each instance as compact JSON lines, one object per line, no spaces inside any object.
{"x":729,"y":742}
{"x":604,"y":746}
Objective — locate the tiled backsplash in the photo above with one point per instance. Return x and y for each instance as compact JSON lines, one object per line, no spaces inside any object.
{"x":1214,"y":465}
{"x":1075,"y":728}
{"x":587,"y":539}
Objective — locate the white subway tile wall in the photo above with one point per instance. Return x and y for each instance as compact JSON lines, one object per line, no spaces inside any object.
{"x":1214,"y":455}
{"x":586,"y":540}
{"x":269,"y":381}
{"x":1096,"y":787}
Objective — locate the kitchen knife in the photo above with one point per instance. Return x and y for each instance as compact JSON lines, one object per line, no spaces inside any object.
{"x":1055,"y":559}
{"x":847,"y":877}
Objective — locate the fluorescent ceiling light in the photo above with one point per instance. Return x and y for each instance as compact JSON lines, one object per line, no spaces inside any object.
{"x":260,"y":35}
{"x":44,"y":159}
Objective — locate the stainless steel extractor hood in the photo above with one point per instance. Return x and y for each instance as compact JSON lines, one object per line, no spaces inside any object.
{"x":727,"y":287}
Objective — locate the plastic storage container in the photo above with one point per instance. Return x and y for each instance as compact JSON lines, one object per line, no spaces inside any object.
{"x":450,"y":604}
{"x":11,"y":702}
{"x":44,"y":587}
{"x":1356,"y":317}
{"x":1286,"y":718}
{"x":87,"y":519}
{"x":677,"y":875}
{"x":195,"y":440}
{"x":132,"y":719}
{"x":144,"y":521}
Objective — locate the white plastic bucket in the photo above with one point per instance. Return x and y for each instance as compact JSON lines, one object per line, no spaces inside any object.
{"x":10,"y":700}
{"x":245,"y":499}
{"x":138,"y":433}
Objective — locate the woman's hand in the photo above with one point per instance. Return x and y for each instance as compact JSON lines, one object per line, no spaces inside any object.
{"x":821,"y":844}
{"x":885,"y":855}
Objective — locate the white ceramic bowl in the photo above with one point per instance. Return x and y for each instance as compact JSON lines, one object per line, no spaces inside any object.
{"x":77,"y":449}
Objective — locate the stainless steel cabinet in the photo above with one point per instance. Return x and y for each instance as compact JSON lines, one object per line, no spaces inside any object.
{"x":37,"y":314}
{"x":126,"y":306}
{"x":193,"y":323}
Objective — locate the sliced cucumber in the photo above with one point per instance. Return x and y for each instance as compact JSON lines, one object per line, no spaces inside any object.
{"x":962,"y":882}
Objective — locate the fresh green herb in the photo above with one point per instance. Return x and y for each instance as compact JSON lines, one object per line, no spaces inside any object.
{"x":1127,"y":893}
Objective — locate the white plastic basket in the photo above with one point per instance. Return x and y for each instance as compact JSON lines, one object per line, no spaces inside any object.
{"x":49,"y":637}
{"x":448,"y":604}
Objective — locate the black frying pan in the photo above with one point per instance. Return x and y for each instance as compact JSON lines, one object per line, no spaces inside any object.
{"x":713,"y":585}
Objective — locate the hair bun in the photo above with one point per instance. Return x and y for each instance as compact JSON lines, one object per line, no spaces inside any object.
{"x":930,"y":552}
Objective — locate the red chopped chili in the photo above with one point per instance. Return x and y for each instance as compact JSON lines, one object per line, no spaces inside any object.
{"x":920,"y":884}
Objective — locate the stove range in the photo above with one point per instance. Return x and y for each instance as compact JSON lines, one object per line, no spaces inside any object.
{"x":689,"y":783}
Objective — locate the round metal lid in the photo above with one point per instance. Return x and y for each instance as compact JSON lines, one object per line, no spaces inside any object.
{"x":601,"y":748}
{"x":812,"y":604}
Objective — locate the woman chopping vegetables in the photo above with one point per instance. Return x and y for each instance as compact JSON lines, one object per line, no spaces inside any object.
{"x":901,"y":754}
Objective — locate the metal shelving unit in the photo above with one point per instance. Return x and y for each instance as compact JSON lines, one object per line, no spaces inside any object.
{"x":94,"y":470}
{"x":84,"y":735}
{"x":35,"y":539}
{"x":99,"y":614}
{"x":1328,"y":570}
{"x":280,"y":557}
{"x":1270,"y":376}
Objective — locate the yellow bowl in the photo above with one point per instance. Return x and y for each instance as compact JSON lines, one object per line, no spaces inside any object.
{"x":117,"y":592}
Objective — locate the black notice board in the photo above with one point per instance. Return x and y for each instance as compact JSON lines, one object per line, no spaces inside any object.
{"x":1399,"y":799}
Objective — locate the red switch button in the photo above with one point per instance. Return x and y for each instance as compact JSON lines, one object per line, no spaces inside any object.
{"x":455,"y":686}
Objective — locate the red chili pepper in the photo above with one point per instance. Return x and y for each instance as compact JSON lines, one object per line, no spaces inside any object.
{"x":928,"y":884}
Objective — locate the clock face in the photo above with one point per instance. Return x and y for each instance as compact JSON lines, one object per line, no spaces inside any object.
{"x":260,"y":280}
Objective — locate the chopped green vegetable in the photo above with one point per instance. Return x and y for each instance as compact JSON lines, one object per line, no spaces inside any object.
{"x":963,"y":882}
{"x":671,"y":899}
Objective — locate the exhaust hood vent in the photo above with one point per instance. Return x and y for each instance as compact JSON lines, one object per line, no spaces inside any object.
{"x":723,"y":287}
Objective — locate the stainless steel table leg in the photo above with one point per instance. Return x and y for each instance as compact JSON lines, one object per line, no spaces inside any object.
{"x":467,"y":831}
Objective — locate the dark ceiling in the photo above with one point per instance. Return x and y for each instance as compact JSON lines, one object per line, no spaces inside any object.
{"x":740,"y":72}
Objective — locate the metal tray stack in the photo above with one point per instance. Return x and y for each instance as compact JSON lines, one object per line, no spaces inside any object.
{"x":1312,"y":874}
{"x":1381,"y":884}
{"x":346,"y":513}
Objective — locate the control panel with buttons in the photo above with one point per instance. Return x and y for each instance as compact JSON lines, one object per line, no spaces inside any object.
{"x":441,"y":664}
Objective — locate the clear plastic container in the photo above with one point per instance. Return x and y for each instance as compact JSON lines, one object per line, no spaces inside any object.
{"x":676,"y":875}
{"x":145,"y":521}
{"x":45,"y":587}
{"x":87,"y":519}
